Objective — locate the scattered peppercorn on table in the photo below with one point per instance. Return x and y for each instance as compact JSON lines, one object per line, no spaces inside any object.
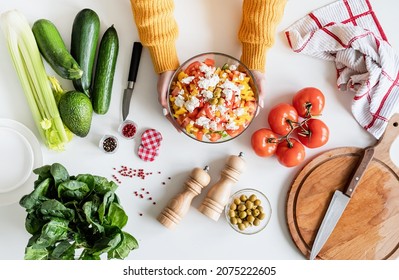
{"x":146,"y":187}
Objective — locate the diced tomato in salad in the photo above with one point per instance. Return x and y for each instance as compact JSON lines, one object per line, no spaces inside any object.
{"x":211,"y":103}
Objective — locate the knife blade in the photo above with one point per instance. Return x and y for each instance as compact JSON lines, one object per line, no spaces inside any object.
{"x":134,"y":67}
{"x":339,"y":202}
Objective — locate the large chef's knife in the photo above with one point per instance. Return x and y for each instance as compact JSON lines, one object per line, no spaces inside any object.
{"x":338,"y":204}
{"x":134,"y":66}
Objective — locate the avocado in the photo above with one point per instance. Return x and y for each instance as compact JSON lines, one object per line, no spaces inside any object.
{"x":76,"y":112}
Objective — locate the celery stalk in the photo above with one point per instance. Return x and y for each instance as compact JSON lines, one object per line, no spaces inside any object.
{"x":29,"y":66}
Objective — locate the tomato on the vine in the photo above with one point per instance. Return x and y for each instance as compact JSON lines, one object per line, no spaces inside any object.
{"x":264,"y":142}
{"x":314,"y":133}
{"x":290,"y":152}
{"x":282,"y":118}
{"x":308,"y":102}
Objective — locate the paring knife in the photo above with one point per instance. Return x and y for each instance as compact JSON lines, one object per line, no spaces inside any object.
{"x":134,"y":66}
{"x":338,"y":204}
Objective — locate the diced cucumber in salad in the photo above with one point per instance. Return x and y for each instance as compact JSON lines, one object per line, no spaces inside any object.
{"x":212,"y":103}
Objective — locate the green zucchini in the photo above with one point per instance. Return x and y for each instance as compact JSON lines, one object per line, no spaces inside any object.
{"x":84,"y":40}
{"x":54,"y":51}
{"x":105,"y":71}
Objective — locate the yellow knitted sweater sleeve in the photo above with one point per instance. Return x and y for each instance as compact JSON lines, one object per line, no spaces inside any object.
{"x":158,"y":31}
{"x":257,"y":30}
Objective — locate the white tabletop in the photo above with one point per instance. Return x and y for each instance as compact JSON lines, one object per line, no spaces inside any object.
{"x":204,"y":26}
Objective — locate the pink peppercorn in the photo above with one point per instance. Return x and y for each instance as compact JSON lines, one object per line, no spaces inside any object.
{"x":128,"y":129}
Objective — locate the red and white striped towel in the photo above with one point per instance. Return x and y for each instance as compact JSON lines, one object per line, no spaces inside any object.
{"x":348,"y":33}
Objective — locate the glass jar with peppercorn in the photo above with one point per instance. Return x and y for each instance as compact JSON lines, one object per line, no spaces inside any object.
{"x":109,"y":144}
{"x":128,"y":129}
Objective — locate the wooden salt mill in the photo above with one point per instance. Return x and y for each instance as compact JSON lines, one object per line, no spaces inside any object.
{"x":178,"y":206}
{"x":219,"y":194}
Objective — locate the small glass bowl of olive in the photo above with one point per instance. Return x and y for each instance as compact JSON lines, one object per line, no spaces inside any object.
{"x":248,"y":211}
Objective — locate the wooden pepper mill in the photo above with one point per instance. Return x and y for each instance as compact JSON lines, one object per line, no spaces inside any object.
{"x":219,"y":194}
{"x":178,"y":206}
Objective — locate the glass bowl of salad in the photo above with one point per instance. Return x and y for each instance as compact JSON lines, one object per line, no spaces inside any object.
{"x":212,"y":97}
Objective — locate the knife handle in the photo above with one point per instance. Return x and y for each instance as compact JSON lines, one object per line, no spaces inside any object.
{"x":360,"y":170}
{"x":135,"y":61}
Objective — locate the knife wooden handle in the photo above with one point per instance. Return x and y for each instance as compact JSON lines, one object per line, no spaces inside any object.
{"x":360,"y":170}
{"x":381,"y":148}
{"x":135,"y":61}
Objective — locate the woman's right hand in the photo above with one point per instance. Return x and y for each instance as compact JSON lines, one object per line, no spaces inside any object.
{"x":162,"y":88}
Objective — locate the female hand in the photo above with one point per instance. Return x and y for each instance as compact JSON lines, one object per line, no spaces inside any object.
{"x":162,"y":88}
{"x":260,"y":80}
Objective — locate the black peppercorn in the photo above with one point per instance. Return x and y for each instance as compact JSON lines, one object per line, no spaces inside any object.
{"x":109,"y":144}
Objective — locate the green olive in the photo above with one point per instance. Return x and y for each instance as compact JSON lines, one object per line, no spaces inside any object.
{"x":251,"y":219}
{"x":241,"y":207}
{"x":233,"y":206}
{"x":241,"y":226}
{"x":256,"y":222}
{"x":257,"y":202}
{"x":246,"y":223}
{"x":242,"y":214}
{"x":261,"y":216}
{"x":221,"y":101}
{"x":249,"y":204}
{"x":232,"y":213}
{"x":249,"y":212}
{"x":243,"y":197}
{"x":237,"y":201}
{"x":260,"y":208}
{"x":252,"y":197}
{"x":256,"y":212}
{"x":233,"y":220}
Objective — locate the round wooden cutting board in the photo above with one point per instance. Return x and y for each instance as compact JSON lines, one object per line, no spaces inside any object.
{"x":369,"y":226}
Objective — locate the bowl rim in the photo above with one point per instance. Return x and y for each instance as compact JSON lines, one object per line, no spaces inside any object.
{"x":229,"y":57}
{"x":265,"y":201}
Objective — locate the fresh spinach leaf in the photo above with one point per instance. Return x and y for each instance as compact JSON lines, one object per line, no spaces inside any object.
{"x":86,"y":178}
{"x":128,"y":244}
{"x":34,"y":223}
{"x":103,"y":209}
{"x":86,"y":256}
{"x":54,"y":208}
{"x":116,"y":216}
{"x":63,"y":251}
{"x":90,"y":211}
{"x":59,"y":173}
{"x":52,"y":232}
{"x":43,"y":173}
{"x":36,"y":254}
{"x":102,"y":185}
{"x":67,"y":214}
{"x":73,"y":190}
{"x":111,"y":240}
{"x":36,"y":197}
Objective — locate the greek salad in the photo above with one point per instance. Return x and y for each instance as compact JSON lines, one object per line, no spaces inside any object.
{"x":212,"y":103}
